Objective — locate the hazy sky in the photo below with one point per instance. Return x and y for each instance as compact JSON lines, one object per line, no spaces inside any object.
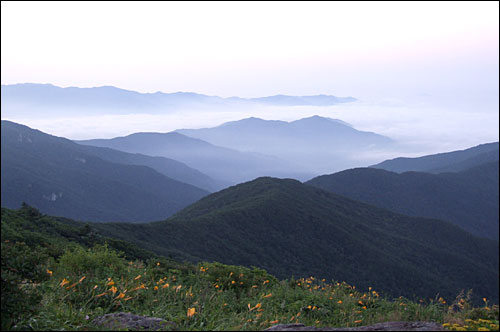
{"x":360,"y":49}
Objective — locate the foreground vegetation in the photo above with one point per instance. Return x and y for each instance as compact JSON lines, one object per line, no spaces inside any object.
{"x":56,"y":282}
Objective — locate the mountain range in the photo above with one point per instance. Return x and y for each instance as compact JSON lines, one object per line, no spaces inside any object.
{"x":63,"y":178}
{"x":289,"y":228}
{"x":453,"y":161}
{"x":30,"y":99}
{"x":223,"y":164}
{"x":469,"y":198}
{"x":317,"y":144}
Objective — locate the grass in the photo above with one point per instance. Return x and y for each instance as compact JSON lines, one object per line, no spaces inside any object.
{"x":71,"y":290}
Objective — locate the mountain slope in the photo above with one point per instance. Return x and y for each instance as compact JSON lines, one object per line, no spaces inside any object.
{"x":289,"y":228}
{"x":453,"y":161}
{"x":168,"y":167}
{"x":468,"y":199}
{"x":318,"y":144}
{"x":223,"y":164}
{"x":60,"y":177}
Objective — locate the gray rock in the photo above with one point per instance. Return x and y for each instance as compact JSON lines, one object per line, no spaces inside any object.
{"x":387,"y":326}
{"x":123,"y":320}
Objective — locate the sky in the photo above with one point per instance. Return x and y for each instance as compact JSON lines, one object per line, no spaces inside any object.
{"x":366,"y":49}
{"x":422,"y":71}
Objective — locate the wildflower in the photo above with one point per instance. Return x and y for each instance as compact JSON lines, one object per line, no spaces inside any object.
{"x":113,"y":289}
{"x":64,"y":282}
{"x":266,"y":282}
{"x":155,"y":288}
{"x":95,"y":287}
{"x":254,"y":286}
{"x":293,"y":317}
{"x":360,"y":302}
{"x":102,"y":294}
{"x":233,"y":282}
{"x":128,"y":298}
{"x":230,"y":274}
{"x":158,"y":264}
{"x":274,"y":321}
{"x":111,"y":283}
{"x":49,"y":272}
{"x":358,"y":321}
{"x":73,"y":285}
{"x":216,"y":286}
{"x":120,"y":296}
{"x":191,"y":312}
{"x":81,"y":279}
{"x":268,"y":295}
{"x":178,"y":287}
{"x":257,"y":306}
{"x":484,"y":299}
{"x":138,"y":277}
{"x":166,"y":285}
{"x":339,"y":302}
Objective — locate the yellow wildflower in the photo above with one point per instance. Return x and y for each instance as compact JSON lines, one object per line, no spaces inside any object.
{"x":339,"y":302}
{"x":73,"y":285}
{"x":49,"y":272}
{"x":81,"y":279}
{"x":155,"y":288}
{"x":166,"y":285}
{"x":113,"y":289}
{"x":268,"y":295}
{"x":191,"y":312}
{"x":64,"y":282}
{"x":274,"y":321}
{"x":111,"y":283}
{"x":121,"y":295}
{"x":102,"y":294}
{"x":358,"y":321}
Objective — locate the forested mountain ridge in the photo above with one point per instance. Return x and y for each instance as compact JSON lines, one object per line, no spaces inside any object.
{"x":468,"y":199}
{"x":453,"y":161}
{"x":289,"y":228}
{"x":60,"y":177}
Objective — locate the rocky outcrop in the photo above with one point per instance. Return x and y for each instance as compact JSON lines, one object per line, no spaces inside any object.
{"x":387,"y":326}
{"x":123,"y":320}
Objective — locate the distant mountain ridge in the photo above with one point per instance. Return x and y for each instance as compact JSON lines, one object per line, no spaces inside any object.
{"x":24,"y":99}
{"x":222,"y":164}
{"x":318,"y":144}
{"x":63,"y":178}
{"x":453,"y":161}
{"x":289,"y":228}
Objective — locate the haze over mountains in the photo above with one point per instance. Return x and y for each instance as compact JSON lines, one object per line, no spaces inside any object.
{"x":29,"y":99}
{"x":225,"y":165}
{"x":317,"y":144}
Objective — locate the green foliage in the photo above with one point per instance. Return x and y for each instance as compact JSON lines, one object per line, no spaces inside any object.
{"x":22,"y":271}
{"x":98,"y":262}
{"x":67,"y":292}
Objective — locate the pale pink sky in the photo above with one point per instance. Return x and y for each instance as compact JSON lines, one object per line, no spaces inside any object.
{"x":361,"y":49}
